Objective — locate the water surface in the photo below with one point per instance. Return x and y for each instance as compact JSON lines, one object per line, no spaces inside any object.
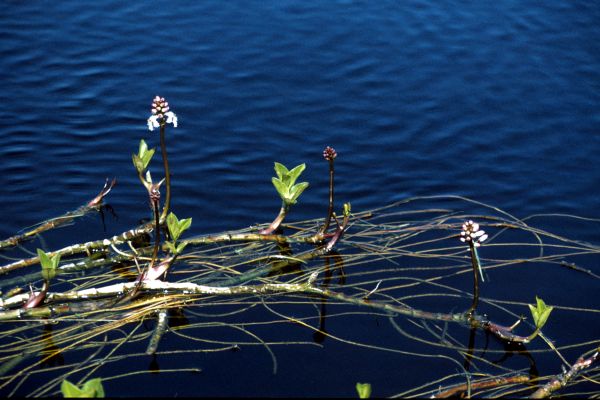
{"x":495,"y":101}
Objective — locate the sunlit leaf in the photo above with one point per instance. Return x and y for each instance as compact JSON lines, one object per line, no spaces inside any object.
{"x":185,"y":224}
{"x":540,"y":312}
{"x":296,"y":191}
{"x":44,"y":259}
{"x":49,"y":264}
{"x":295,"y":173}
{"x":364,"y":390}
{"x":70,"y":390}
{"x":347,"y":209}
{"x":147,"y":157}
{"x":180,"y":247}
{"x":137,"y":163}
{"x":143,"y":148}
{"x":91,"y":388}
{"x":281,"y":170}
{"x":171,"y":247}
{"x":173,"y":226}
{"x":55,"y":260}
{"x":281,"y":188}
{"x":94,"y":386}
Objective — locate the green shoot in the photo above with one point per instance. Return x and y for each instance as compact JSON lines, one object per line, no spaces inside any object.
{"x":540,"y":312}
{"x":364,"y":390}
{"x":285,"y":183}
{"x":49,"y":264}
{"x":91,"y":388}
{"x":176,"y":228}
{"x":142,"y":159}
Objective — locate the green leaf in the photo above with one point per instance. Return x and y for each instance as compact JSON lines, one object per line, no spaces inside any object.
{"x":94,"y":386}
{"x":49,"y":264}
{"x":70,"y":390}
{"x":295,"y":173}
{"x":185,"y":224}
{"x":91,"y":388}
{"x":364,"y":390}
{"x":177,"y":227}
{"x":44,"y":259}
{"x":281,"y":170}
{"x":147,"y":157}
{"x":138,"y":163}
{"x":540,"y":312}
{"x":347,"y":209}
{"x":143,"y":157}
{"x":297,"y":190}
{"x":180,"y":247}
{"x":173,"y":225}
{"x":171,"y":247}
{"x":281,"y":188}
{"x":55,"y":260}
{"x":143,"y":148}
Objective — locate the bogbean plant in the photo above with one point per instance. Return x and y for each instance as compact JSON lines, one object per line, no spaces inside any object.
{"x":49,"y":265}
{"x":289,"y":192}
{"x":474,"y":237}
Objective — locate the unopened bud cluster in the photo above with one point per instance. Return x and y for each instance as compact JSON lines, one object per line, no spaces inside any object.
{"x":329,"y":153}
{"x":161,"y":114}
{"x":471,"y":232}
{"x":159,"y":106}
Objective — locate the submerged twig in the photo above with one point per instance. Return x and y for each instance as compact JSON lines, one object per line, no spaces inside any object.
{"x":159,"y":330}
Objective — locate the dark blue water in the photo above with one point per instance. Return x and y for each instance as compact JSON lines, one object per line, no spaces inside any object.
{"x":497,"y":101}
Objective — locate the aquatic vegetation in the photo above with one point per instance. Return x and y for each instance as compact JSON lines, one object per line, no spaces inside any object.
{"x":90,"y":389}
{"x":363,"y":390}
{"x":288,"y":190}
{"x":118,"y":301}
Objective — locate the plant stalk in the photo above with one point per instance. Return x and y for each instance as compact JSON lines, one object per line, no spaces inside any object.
{"x":277,"y":221}
{"x":163,"y":149}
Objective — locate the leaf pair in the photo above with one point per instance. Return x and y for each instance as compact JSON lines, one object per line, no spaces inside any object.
{"x":176,"y":228}
{"x":363,"y":390}
{"x":49,"y":264}
{"x":92,"y":388}
{"x":142,"y":159}
{"x":540,"y":312}
{"x":285,"y":183}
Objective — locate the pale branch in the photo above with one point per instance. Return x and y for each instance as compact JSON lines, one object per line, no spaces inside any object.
{"x":250,"y":237}
{"x":186,"y":288}
{"x":124,"y":237}
{"x":460,"y":389}
{"x":81,"y":248}
{"x":159,"y":330}
{"x":189,"y":288}
{"x":561,"y":380}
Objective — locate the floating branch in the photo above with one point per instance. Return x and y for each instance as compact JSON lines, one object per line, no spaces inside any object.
{"x":561,"y":380}
{"x":92,"y":205}
{"x":81,"y":248}
{"x":460,"y":390}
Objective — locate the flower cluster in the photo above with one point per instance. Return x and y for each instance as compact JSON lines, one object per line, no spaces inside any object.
{"x":470,"y":232}
{"x":329,"y":153}
{"x":161,"y":114}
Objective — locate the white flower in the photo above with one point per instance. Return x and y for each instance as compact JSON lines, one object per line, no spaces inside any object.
{"x":471,"y":232}
{"x":171,"y":118}
{"x":153,"y":122}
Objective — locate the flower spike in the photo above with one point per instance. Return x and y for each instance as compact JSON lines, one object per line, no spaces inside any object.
{"x":161,"y":114}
